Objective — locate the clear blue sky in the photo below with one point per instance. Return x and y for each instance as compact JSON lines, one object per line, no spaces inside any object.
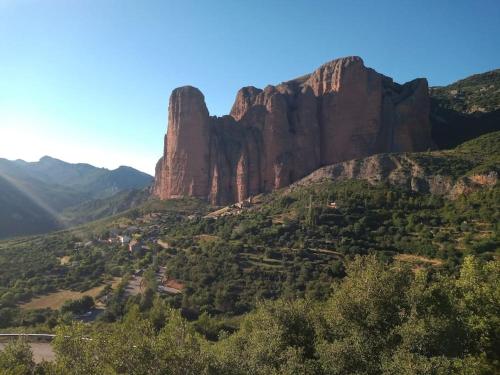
{"x":89,"y":80}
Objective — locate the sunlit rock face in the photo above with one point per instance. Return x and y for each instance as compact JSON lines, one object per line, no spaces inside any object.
{"x":280,"y":134}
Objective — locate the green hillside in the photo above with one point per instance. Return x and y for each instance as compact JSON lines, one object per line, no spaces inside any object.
{"x":52,"y":194}
{"x":465,"y":109}
{"x":20,"y":214}
{"x":337,"y":275}
{"x":104,"y":207}
{"x":479,"y":155}
{"x":477,"y":93}
{"x":289,"y":243}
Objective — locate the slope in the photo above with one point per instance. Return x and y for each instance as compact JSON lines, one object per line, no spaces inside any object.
{"x":465,"y":109}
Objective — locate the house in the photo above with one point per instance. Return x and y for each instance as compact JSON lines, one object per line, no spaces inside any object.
{"x":333,"y":205}
{"x":163,"y":244}
{"x":124,"y":240}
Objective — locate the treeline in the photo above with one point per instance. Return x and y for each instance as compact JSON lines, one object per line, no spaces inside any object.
{"x":382,"y":318}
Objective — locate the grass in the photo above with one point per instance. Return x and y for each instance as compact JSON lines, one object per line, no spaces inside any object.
{"x":55,"y":300}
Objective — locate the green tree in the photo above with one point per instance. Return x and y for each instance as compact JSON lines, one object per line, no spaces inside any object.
{"x":278,"y":338}
{"x":361,"y":317}
{"x":17,"y":359}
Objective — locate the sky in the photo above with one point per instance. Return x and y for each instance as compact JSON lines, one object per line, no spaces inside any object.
{"x":89,"y":80}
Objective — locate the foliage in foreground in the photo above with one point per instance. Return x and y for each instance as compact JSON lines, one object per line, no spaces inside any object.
{"x":380,"y":319}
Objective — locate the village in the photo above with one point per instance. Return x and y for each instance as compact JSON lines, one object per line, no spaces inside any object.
{"x":138,"y":240}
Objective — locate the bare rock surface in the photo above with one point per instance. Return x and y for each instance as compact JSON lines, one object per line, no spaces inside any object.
{"x":280,"y":134}
{"x":399,"y":170}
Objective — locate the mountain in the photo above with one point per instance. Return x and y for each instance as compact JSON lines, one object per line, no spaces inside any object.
{"x":103,"y":207}
{"x":36,"y":196}
{"x":465,"y":109}
{"x":278,"y":135}
{"x":84,"y":178}
{"x":22,"y":214}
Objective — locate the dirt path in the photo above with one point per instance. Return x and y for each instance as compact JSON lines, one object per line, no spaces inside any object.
{"x":418,"y":259}
{"x":134,"y":286}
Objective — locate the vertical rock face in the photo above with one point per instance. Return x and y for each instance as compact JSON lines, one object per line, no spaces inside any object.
{"x":276,"y":136}
{"x":183,"y":170}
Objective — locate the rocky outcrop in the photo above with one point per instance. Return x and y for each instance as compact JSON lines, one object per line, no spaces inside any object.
{"x":400,"y":170}
{"x":280,"y":134}
{"x":184,"y":168}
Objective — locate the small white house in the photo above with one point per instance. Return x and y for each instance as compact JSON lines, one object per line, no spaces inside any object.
{"x":124,"y":240}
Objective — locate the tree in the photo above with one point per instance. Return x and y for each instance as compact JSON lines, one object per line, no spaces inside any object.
{"x":361,"y":317}
{"x":78,"y":306}
{"x":278,"y":338}
{"x":17,"y":359}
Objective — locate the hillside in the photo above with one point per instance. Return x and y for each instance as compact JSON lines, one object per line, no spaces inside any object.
{"x":20,"y":214}
{"x":477,"y":93}
{"x":449,"y":173}
{"x":326,"y":250}
{"x":40,"y":191}
{"x":82,"y":178}
{"x":103,"y":207}
{"x":293,"y":242}
{"x":465,"y":109}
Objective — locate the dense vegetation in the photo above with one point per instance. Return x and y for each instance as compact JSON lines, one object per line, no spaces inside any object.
{"x":293,"y":244}
{"x":104,"y":207}
{"x":480,"y":92}
{"x":33,"y":266}
{"x":380,"y":319}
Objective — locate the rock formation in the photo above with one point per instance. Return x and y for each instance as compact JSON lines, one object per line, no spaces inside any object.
{"x":280,"y":134}
{"x":404,"y":170}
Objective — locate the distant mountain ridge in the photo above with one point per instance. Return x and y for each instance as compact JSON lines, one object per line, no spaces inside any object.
{"x":99,"y":182}
{"x":34,"y":195}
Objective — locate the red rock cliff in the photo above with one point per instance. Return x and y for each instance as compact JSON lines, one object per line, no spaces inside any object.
{"x":278,"y":135}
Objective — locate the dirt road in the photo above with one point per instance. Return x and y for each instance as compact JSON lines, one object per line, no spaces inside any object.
{"x":42,"y":351}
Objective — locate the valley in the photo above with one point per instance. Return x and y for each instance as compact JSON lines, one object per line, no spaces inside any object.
{"x":290,"y":243}
{"x":213,"y":272}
